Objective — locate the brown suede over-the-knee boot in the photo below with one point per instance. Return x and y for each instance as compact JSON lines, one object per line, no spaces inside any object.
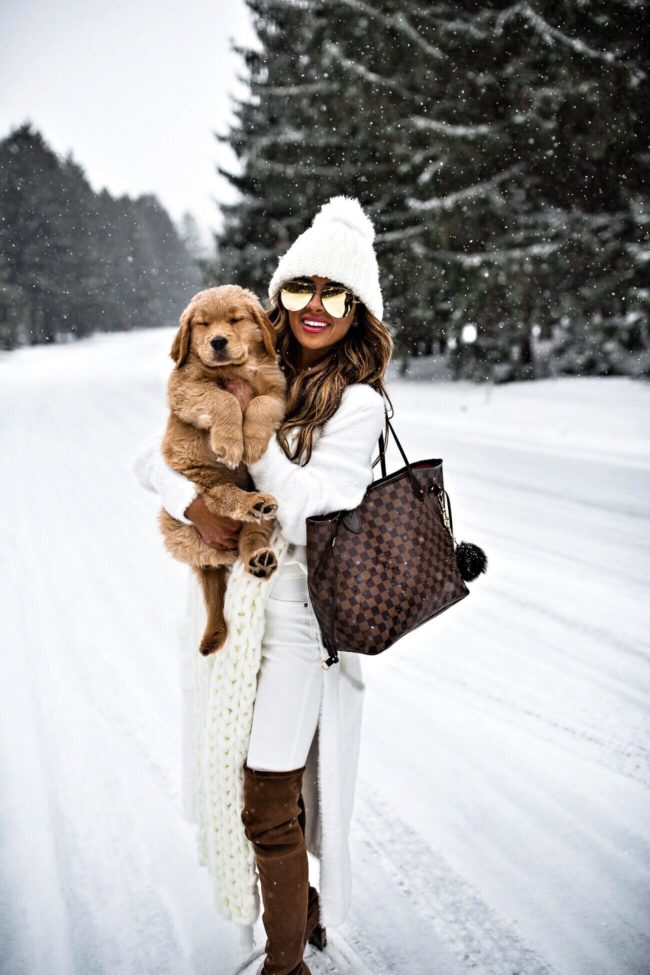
{"x":270,"y":818}
{"x":315,"y":933}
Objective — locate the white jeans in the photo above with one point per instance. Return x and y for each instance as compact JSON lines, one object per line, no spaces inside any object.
{"x":287,"y":702}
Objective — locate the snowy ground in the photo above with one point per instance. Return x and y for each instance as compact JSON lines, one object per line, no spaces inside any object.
{"x":502,"y":820}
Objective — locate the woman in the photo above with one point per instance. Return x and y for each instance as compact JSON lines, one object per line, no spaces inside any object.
{"x":301,"y":742}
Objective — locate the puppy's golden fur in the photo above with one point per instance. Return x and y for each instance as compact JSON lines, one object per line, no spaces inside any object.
{"x":224,"y":338}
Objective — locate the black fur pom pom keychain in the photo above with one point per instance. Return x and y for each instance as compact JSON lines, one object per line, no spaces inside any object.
{"x":470,"y":558}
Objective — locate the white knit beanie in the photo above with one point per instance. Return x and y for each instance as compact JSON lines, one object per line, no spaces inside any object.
{"x":338,"y":245}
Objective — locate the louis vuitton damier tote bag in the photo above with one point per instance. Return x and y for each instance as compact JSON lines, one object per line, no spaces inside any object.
{"x":382,"y":569}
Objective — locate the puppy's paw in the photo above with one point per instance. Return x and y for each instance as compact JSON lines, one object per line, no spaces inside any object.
{"x":254,"y":448}
{"x":228,"y":452}
{"x":262,"y":563}
{"x":262,"y":507}
{"x":213,"y":641}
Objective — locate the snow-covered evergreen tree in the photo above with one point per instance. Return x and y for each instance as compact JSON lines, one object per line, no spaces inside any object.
{"x":502,"y":151}
{"x":539,"y":122}
{"x":286,"y":139}
{"x":73,"y":262}
{"x":189,"y":233}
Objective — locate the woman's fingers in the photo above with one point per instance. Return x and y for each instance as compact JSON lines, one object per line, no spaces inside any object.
{"x":219,"y":540}
{"x":218,"y":531}
{"x":231,"y":532}
{"x":222,"y":532}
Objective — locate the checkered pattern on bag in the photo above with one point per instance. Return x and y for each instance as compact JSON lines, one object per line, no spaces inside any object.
{"x":373,"y":586}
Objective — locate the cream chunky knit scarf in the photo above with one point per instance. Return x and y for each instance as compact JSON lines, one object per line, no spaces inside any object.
{"x":225,"y":685}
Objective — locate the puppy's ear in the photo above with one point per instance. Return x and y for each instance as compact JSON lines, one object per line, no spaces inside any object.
{"x":181,"y":343}
{"x":269,"y":334}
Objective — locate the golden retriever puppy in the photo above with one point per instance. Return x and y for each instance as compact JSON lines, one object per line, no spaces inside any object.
{"x":225,"y":338}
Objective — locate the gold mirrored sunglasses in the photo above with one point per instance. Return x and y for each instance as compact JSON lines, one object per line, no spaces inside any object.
{"x":336,"y":299}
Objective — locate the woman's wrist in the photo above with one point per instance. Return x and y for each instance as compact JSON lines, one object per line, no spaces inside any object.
{"x":194,"y":509}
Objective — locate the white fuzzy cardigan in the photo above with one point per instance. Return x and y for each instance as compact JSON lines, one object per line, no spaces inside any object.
{"x":219,"y":691}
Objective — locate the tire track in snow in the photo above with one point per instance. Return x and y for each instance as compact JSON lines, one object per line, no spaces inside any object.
{"x":485,"y":437}
{"x":101,"y":874}
{"x":342,"y":958}
{"x":456,"y":915}
{"x":116,"y":702}
{"x":150,"y":942}
{"x":545,"y":612}
{"x":526,"y":550}
{"x":609,"y":512}
{"x":630,"y":759}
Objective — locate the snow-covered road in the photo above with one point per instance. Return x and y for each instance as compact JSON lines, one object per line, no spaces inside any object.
{"x":502,"y":822}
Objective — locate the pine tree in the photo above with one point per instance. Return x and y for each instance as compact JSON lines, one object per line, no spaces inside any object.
{"x":189,"y":233}
{"x":75,"y":262}
{"x":282,"y":143}
{"x":311,"y":130}
{"x":502,"y":152}
{"x":529,"y":187}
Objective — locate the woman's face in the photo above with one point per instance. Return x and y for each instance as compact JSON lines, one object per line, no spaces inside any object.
{"x":325,"y":332}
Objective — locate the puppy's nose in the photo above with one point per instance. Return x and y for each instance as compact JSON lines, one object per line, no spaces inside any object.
{"x":219,"y":342}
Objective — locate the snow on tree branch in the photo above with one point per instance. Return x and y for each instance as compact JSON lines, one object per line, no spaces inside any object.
{"x":398,"y":21}
{"x":451,"y":200}
{"x":639,"y":252}
{"x":454,"y":131}
{"x":370,"y":76}
{"x":467,"y":27}
{"x":403,"y":233}
{"x":337,"y":170}
{"x":305,"y":5}
{"x":292,"y":137}
{"x":309,"y":88}
{"x":478,"y":259}
{"x":550,"y":34}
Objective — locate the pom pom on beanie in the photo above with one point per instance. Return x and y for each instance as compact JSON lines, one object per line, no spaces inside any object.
{"x":348,"y":211}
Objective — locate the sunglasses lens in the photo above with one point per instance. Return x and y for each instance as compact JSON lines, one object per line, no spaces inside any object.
{"x":296,"y":295}
{"x":336,"y":303}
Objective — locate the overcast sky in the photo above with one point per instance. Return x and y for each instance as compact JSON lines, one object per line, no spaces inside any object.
{"x":134,"y":88}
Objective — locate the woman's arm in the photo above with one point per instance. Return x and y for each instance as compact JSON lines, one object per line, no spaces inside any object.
{"x":176,"y":491}
{"x":178,"y":495}
{"x":339,"y":470}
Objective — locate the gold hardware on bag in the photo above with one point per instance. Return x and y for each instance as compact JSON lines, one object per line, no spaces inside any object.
{"x":442,"y":500}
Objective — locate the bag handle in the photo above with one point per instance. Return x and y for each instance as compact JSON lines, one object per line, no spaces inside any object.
{"x":417,"y":489}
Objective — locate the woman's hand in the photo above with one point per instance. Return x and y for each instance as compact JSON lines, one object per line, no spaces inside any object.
{"x":242,"y":390}
{"x":218,"y":531}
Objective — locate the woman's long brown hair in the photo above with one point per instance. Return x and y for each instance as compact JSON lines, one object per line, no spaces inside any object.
{"x":314,"y":393}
